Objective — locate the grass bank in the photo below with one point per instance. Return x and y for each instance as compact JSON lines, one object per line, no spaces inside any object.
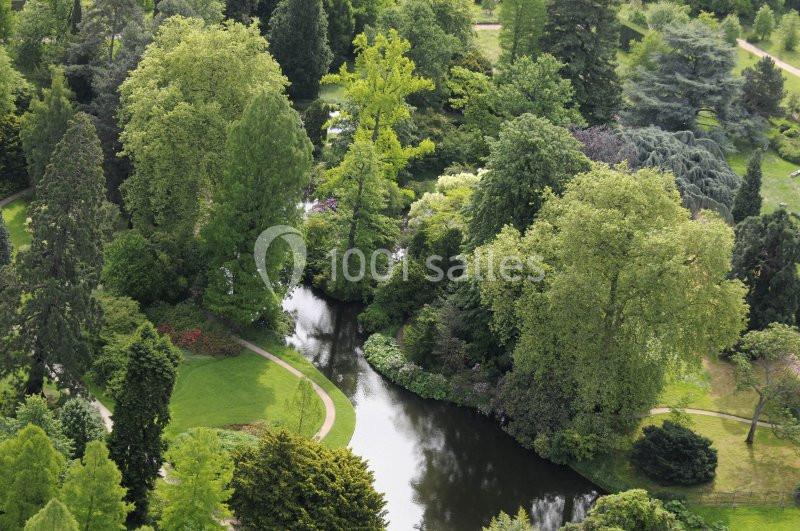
{"x":15,"y":214}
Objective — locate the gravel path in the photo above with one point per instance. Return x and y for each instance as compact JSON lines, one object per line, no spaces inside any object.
{"x":704,"y":412}
{"x":13,"y":197}
{"x":761,"y":53}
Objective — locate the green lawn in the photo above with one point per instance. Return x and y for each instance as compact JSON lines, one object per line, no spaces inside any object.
{"x":488,"y":42}
{"x":752,"y":518}
{"x":776,"y":186}
{"x":15,"y":214}
{"x":745,"y":59}
{"x":773,"y":47}
{"x":480,"y":16}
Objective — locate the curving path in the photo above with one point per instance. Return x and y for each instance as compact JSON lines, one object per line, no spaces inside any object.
{"x":761,"y":53}
{"x":13,"y":197}
{"x":330,"y":410}
{"x":706,"y":413}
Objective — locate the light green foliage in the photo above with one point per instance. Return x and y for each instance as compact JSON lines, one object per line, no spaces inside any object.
{"x":42,"y":127}
{"x":92,"y":491}
{"x":53,"y":517}
{"x":709,"y":20}
{"x":35,"y":411}
{"x":663,"y":14}
{"x":377,"y":89}
{"x":209,"y":11}
{"x":631,"y":509}
{"x":11,"y":82}
{"x":767,"y":363}
{"x":764,"y":23}
{"x":7,"y":20}
{"x":631,"y":286}
{"x":267,"y":167}
{"x":29,"y":472}
{"x":790,"y":30}
{"x":505,"y":522}
{"x":41,"y":37}
{"x":134,"y":267}
{"x":644,"y":53}
{"x":731,"y":28}
{"x":383,"y":353}
{"x":304,"y":406}
{"x":191,"y":83}
{"x":195,"y":492}
{"x":522,"y":24}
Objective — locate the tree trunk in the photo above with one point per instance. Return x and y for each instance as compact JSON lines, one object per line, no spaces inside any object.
{"x":35,"y":383}
{"x":754,"y":424}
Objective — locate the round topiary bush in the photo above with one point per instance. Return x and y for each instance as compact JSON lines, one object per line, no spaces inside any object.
{"x":674,"y":455}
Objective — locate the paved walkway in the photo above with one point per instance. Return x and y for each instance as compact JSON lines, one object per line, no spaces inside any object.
{"x":13,"y":197}
{"x":761,"y":53}
{"x":105,"y":414}
{"x":330,"y":410}
{"x":704,"y":412}
{"x":486,"y":26}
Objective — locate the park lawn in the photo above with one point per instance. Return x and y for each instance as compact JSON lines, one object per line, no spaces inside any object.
{"x":776,"y":185}
{"x":332,"y":93}
{"x":488,"y":42}
{"x":480,"y":16}
{"x":773,"y":47}
{"x":15,"y":214}
{"x":345,"y":422}
{"x":752,"y":518}
{"x":767,"y":472}
{"x":745,"y":59}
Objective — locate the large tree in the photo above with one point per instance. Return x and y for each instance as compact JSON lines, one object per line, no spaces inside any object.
{"x":529,"y":156}
{"x":11,"y":82}
{"x":41,"y":37}
{"x":522,"y":23}
{"x":765,"y":258}
{"x":268,"y":164}
{"x":54,"y":515}
{"x":141,"y":414}
{"x":298,"y":39}
{"x":748,"y":197}
{"x":42,"y":127}
{"x":69,"y":221}
{"x":341,"y":29}
{"x":584,"y":35}
{"x":630,"y":285}
{"x":693,"y":75}
{"x":762,"y":91}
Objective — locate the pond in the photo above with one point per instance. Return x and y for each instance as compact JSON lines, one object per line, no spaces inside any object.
{"x":441,"y":467}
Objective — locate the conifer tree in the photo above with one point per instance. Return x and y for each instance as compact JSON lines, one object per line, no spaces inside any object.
{"x":5,"y":244}
{"x":763,"y":88}
{"x":53,"y":516}
{"x":522,"y":22}
{"x":62,"y":268}
{"x":748,"y":198}
{"x":141,"y":414}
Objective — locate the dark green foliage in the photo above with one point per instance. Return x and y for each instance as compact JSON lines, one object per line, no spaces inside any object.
{"x":693,"y":75}
{"x":762,"y":91}
{"x":703,"y":176}
{"x":748,"y":197}
{"x":13,"y":172}
{"x":419,"y":336}
{"x":341,"y":29}
{"x":82,"y":423}
{"x":138,"y":269}
{"x":241,"y":10}
{"x":584,"y":35}
{"x":121,"y":319}
{"x":314,"y":118}
{"x":141,"y":414}
{"x":674,"y":455}
{"x":785,"y":139}
{"x":298,"y":39}
{"x":398,"y":298}
{"x":62,"y":268}
{"x":5,"y":244}
{"x":264,"y":10}
{"x":319,"y":488}
{"x":529,"y":155}
{"x":765,"y":256}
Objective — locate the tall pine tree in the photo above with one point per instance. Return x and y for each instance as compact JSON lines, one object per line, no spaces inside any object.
{"x":141,"y":414}
{"x":748,"y":198}
{"x":522,"y":22}
{"x":584,"y":35}
{"x":62,"y":268}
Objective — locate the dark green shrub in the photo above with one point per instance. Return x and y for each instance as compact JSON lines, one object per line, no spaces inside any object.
{"x":674,"y":455}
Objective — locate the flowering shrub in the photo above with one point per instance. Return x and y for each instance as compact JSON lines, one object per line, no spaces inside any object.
{"x":188,"y":328}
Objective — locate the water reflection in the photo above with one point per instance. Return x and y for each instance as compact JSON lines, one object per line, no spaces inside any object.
{"x":441,"y":467}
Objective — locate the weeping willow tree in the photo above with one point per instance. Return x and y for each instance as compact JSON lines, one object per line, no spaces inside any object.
{"x":703,"y":177}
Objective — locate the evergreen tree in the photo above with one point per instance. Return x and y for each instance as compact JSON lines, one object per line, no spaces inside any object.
{"x":763,"y":88}
{"x":13,"y":169}
{"x":44,"y":124}
{"x":141,"y":414}
{"x":298,"y":39}
{"x":29,"y":473}
{"x":53,"y":517}
{"x":5,"y":244}
{"x":748,"y":198}
{"x":62,"y":268}
{"x":584,"y":35}
{"x":268,"y":164}
{"x":196,"y":493}
{"x":341,"y":29}
{"x":522,"y":22}
{"x":81,"y":423}
{"x":765,"y":258}
{"x":92,"y":491}
{"x":764,"y":23}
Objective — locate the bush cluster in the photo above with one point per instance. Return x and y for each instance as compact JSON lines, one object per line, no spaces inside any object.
{"x":188,"y":328}
{"x":383,"y":353}
{"x":786,"y":141}
{"x":674,"y":455}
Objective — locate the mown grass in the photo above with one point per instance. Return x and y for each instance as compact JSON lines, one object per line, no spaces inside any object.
{"x":15,"y":214}
{"x":773,"y":47}
{"x":776,"y":185}
{"x":488,"y":42}
{"x":752,"y":518}
{"x":480,"y":16}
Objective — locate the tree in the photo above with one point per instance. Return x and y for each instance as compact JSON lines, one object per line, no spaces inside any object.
{"x":674,"y":455}
{"x":522,"y":23}
{"x":505,"y":522}
{"x":321,"y":488}
{"x":211,"y":12}
{"x":13,"y":169}
{"x":29,"y":472}
{"x":377,"y":91}
{"x":44,"y":124}
{"x":748,"y":197}
{"x":11,"y":82}
{"x":766,"y":362}
{"x":82,"y":423}
{"x":141,"y":414}
{"x":790,"y":30}
{"x":196,"y":492}
{"x":7,"y":19}
{"x":54,"y":515}
{"x":604,"y":144}
{"x":731,"y":28}
{"x":34,"y":410}
{"x":191,"y":84}
{"x":764,"y":258}
{"x":667,"y":13}
{"x":630,"y":286}
{"x":763,"y":88}
{"x":5,"y":244}
{"x":298,"y":39}
{"x":69,"y":222}
{"x":584,"y":35}
{"x":268,"y":164}
{"x":529,"y":156}
{"x":630,"y":509}
{"x":92,"y":491}
{"x":41,"y":37}
{"x":135,"y":267}
{"x":693,"y":75}
{"x":341,"y":29}
{"x":305,"y":407}
{"x":764,"y":23}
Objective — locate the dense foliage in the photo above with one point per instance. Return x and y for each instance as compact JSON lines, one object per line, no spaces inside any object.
{"x":674,"y":455}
